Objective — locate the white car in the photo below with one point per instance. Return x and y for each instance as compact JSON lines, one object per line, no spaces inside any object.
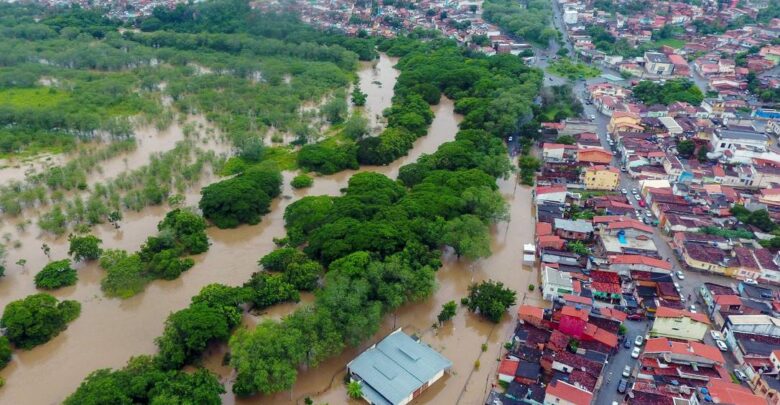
{"x":635,"y":353}
{"x":740,"y":375}
{"x":648,"y":214}
{"x":716,"y":335}
{"x":721,"y":345}
{"x":750,"y":281}
{"x":627,"y":371}
{"x":624,"y":191}
{"x":637,"y":197}
{"x":682,"y":298}
{"x":677,"y":286}
{"x":639,"y":340}
{"x":692,"y":308}
{"x":680,"y":275}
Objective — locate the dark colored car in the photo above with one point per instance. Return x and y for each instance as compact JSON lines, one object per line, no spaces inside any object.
{"x":627,"y":344}
{"x":635,"y":317}
{"x":622,"y":386}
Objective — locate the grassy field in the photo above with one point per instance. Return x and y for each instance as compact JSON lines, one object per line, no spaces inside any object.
{"x":35,"y":97}
{"x":673,"y":42}
{"x":567,"y":68}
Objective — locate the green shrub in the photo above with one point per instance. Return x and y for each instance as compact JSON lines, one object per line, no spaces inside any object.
{"x":301,"y":181}
{"x":55,"y":275}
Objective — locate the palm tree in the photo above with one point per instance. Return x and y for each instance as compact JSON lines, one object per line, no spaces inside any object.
{"x":354,"y":390}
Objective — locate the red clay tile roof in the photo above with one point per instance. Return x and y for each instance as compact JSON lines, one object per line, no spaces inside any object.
{"x":550,"y":189}
{"x":531,"y":311}
{"x":600,"y":335}
{"x":575,"y":313}
{"x":607,"y":218}
{"x":630,"y":223}
{"x":637,"y":259}
{"x":578,"y":299}
{"x":728,"y":300}
{"x":543,"y":228}
{"x":614,"y":314}
{"x":570,"y":393}
{"x":664,"y":312}
{"x":664,"y":345}
{"x":508,"y":367}
{"x":726,"y":392}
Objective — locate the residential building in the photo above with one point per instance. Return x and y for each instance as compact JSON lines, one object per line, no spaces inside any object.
{"x":679,"y":324}
{"x":657,"y":63}
{"x":726,"y":139}
{"x":555,"y":283}
{"x":562,"y":393}
{"x":601,"y":178}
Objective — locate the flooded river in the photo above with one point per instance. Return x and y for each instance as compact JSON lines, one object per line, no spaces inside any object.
{"x":110,"y":331}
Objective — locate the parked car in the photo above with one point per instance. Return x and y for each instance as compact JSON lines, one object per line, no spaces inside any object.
{"x":634,"y":317}
{"x":682,"y":298}
{"x":622,"y":386}
{"x":721,"y":345}
{"x":627,"y":371}
{"x":627,"y":344}
{"x":642,"y":204}
{"x":623,"y":169}
{"x":624,"y":191}
{"x":680,"y":275}
{"x":592,"y":117}
{"x":637,"y":197}
{"x":635,"y":353}
{"x":716,"y":335}
{"x":750,"y":281}
{"x":677,"y":286}
{"x":740,"y":375}
{"x":634,"y":191}
{"x":648,"y":214}
{"x":692,"y":308}
{"x":639,"y":340}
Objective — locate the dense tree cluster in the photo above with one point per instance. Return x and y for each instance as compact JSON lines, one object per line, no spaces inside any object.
{"x":529,"y":20}
{"x":242,"y":199}
{"x":181,"y":233}
{"x":56,"y":274}
{"x":673,"y":90}
{"x":301,"y":181}
{"x":36,"y":319}
{"x":143,"y":381}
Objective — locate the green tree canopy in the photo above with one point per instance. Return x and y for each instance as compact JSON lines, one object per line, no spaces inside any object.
{"x":36,"y":319}
{"x":490,"y":299}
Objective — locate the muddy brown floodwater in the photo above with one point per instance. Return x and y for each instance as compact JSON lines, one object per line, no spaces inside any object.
{"x":110,"y":331}
{"x":149,"y":140}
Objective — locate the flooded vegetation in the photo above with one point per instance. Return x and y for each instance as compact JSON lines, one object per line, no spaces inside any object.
{"x":446,"y":164}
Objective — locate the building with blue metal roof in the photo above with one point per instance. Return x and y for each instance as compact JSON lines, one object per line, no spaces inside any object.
{"x":397,"y":369}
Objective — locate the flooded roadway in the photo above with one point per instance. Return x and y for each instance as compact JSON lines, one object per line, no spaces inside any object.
{"x":110,"y":331}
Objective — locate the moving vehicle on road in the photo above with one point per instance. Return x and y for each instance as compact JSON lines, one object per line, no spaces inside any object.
{"x":635,"y":353}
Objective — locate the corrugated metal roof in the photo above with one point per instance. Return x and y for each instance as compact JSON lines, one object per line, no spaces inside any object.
{"x":396,"y":366}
